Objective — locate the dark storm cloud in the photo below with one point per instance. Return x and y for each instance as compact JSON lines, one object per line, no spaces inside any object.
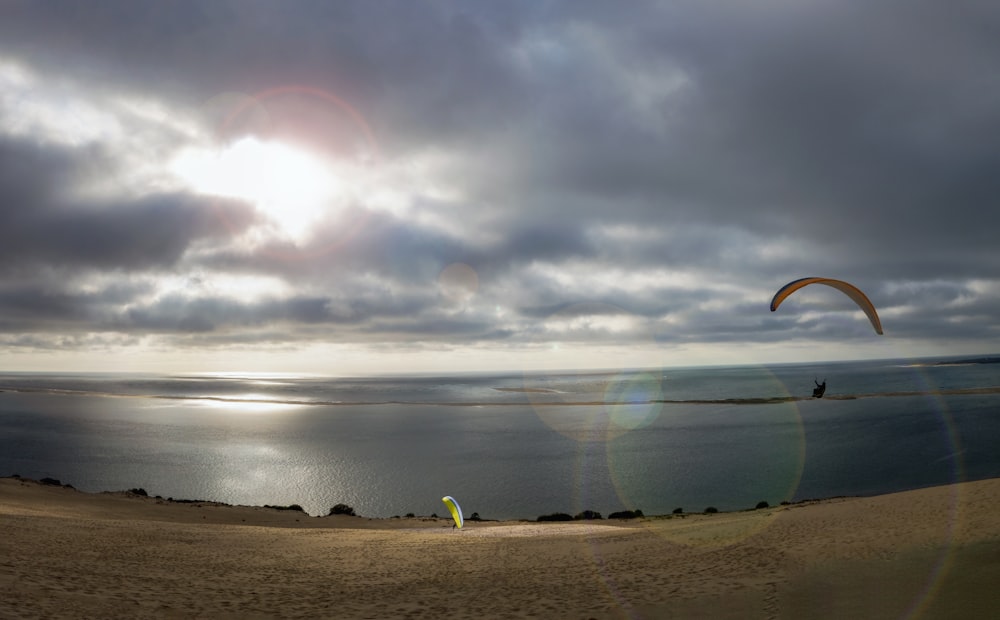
{"x":835,"y":125}
{"x":426,"y":55}
{"x":206,"y":314}
{"x":357,"y":242}
{"x":361,"y":241}
{"x":52,"y":304}
{"x":28,"y":308}
{"x":42,"y":223}
{"x":148,"y":232}
{"x":727,"y":147}
{"x":872,"y":134}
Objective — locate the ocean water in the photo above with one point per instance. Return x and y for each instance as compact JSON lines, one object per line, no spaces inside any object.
{"x":513,"y":445}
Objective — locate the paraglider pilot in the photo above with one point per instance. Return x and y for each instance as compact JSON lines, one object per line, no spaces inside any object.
{"x":819,"y":389}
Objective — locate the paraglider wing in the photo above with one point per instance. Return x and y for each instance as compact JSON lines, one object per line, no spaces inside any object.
{"x":454,"y":509}
{"x":848,"y":289}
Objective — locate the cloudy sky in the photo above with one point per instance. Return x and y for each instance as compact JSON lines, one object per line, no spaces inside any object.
{"x":361,"y":187}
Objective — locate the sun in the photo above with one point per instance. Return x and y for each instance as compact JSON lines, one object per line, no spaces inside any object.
{"x":291,"y":187}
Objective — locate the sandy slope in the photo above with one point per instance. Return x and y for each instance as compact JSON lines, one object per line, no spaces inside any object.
{"x":931,"y":553}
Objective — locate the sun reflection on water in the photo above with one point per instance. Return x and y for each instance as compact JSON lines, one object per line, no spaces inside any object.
{"x":249,"y":402}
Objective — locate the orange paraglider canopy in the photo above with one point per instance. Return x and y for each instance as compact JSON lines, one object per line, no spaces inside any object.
{"x":845,"y":287}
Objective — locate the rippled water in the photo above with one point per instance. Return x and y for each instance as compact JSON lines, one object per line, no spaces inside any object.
{"x":511,"y":445}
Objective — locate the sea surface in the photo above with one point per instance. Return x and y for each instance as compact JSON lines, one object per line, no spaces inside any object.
{"x":512,"y":445}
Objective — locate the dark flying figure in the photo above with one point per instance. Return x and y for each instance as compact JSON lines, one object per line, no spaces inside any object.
{"x":820,"y":389}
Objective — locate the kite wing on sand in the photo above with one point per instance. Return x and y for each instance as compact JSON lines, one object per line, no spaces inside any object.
{"x":454,"y":509}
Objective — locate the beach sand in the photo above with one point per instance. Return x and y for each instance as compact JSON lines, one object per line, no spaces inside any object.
{"x":932,"y":553}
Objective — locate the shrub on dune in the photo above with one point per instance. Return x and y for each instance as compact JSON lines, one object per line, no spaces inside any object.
{"x":342,"y":509}
{"x":626,"y":514}
{"x":556,"y":516}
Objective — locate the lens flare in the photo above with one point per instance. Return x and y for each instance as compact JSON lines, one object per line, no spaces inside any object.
{"x":302,"y":156}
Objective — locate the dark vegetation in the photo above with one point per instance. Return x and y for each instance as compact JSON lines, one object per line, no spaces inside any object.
{"x":293,"y":507}
{"x":678,"y":511}
{"x":342,"y":509}
{"x":711,"y":510}
{"x":556,"y":516}
{"x":761,"y":505}
{"x":626,"y":514}
{"x":586,"y":515}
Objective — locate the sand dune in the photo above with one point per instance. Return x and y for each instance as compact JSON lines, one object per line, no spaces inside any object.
{"x":931,"y":553}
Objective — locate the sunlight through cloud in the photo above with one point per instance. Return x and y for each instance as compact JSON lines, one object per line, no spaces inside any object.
{"x":289,"y":186}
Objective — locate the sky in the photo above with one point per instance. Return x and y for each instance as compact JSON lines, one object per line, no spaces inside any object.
{"x":375,"y":187}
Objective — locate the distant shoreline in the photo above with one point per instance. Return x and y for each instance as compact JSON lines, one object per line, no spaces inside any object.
{"x":764,"y":400}
{"x":970,"y":361}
